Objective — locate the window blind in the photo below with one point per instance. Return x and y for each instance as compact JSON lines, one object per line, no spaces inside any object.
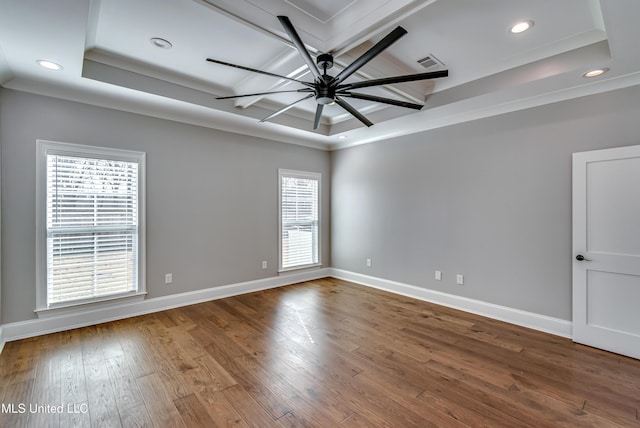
{"x":92,"y":228}
{"x":299,"y":216}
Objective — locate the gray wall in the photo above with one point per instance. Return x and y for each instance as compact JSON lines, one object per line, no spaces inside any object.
{"x":212,"y":210}
{"x":490,"y":199}
{"x":1,"y":95}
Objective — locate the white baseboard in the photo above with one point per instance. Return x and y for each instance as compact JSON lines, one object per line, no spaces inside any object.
{"x":56,"y":323}
{"x":544,"y":323}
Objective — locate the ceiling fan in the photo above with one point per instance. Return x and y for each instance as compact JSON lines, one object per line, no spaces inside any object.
{"x":330,"y":89}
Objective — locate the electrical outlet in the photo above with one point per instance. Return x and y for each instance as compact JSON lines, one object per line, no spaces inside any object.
{"x":368,"y":262}
{"x":460,"y":279}
{"x":264,"y":264}
{"x":438,"y":275}
{"x":168,"y":278}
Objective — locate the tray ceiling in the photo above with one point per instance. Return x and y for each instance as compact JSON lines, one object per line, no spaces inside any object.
{"x":108,"y":58}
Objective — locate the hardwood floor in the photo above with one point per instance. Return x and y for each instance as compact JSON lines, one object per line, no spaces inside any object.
{"x":324,"y":353}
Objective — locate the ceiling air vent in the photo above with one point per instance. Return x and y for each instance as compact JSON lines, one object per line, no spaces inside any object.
{"x":430,"y":62}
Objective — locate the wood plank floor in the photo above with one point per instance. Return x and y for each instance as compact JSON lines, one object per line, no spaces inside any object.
{"x":324,"y":353}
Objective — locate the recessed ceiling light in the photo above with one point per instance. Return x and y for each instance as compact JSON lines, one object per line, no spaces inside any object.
{"x":49,"y":64}
{"x":595,"y":73}
{"x":161,"y":43}
{"x":342,"y":137}
{"x":521,"y":26}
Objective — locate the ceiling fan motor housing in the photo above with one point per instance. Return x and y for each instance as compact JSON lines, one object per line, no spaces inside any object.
{"x":325,"y":92}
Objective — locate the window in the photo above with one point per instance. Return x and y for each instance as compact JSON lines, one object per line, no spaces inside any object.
{"x":299,"y":219}
{"x":90,"y":212}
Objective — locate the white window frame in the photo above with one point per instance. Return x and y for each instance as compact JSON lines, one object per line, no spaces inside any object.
{"x":44,"y":148}
{"x":306,"y":175}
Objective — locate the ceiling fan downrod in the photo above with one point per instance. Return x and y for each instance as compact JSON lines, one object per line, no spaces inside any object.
{"x":325,"y":91}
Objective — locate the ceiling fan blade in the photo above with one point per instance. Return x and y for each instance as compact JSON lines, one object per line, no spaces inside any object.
{"x":295,"y":38}
{"x":316,"y":121}
{"x":381,"y":100}
{"x":355,"y":113}
{"x":388,"y":40}
{"x":241,"y":67}
{"x":285,"y":108}
{"x":396,"y":79}
{"x":263,"y":93}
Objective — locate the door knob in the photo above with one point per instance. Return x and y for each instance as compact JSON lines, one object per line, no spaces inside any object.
{"x":581,"y":258}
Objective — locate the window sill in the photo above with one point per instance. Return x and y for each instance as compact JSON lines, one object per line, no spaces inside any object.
{"x":86,"y":306}
{"x":299,"y":268}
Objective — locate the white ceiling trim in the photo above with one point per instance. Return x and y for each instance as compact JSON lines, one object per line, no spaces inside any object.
{"x":476,"y":109}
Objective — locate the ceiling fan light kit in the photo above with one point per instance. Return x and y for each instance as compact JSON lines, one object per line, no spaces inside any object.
{"x":329,"y":90}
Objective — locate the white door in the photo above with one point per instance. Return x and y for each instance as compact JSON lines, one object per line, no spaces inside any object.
{"x":606,"y":249}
